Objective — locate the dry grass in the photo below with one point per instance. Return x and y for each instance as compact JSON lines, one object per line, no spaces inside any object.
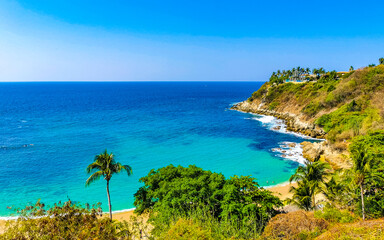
{"x":373,"y":229}
{"x":294,"y":225}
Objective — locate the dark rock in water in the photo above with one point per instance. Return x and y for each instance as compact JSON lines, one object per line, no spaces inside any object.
{"x":277,"y":128}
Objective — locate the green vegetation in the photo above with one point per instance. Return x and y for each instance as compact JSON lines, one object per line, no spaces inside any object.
{"x":310,"y":179}
{"x":348,"y":188}
{"x":105,"y":166}
{"x":234,"y":207}
{"x":64,"y":221}
{"x":345,"y":105}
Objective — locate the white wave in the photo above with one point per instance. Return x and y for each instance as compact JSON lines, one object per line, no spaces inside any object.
{"x":8,"y":218}
{"x":278,"y":125}
{"x":124,"y":210}
{"x":266,"y":119}
{"x":290,"y":151}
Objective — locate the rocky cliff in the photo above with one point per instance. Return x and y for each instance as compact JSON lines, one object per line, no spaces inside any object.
{"x":296,"y":123}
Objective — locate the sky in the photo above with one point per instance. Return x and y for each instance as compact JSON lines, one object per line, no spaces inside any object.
{"x":175,"y":40}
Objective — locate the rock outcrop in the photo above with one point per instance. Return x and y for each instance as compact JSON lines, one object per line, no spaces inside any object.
{"x":296,"y":123}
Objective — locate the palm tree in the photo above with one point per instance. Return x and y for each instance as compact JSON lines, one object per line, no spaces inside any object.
{"x":302,"y":195}
{"x":340,"y":189}
{"x":351,"y":68}
{"x":313,"y":174}
{"x":361,"y":170}
{"x":105,"y":166}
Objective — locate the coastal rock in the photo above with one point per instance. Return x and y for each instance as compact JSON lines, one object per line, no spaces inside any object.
{"x":292,"y":121}
{"x":296,"y":122}
{"x":325,"y":152}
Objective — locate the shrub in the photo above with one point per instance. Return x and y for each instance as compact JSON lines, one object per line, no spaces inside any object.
{"x":64,"y":221}
{"x":312,"y":108}
{"x":334,"y":215}
{"x":186,"y":230}
{"x":273,"y":105}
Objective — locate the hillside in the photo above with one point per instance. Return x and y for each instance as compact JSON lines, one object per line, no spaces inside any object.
{"x":335,"y":106}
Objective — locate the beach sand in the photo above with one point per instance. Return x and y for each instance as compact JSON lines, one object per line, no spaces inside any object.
{"x":281,"y":191}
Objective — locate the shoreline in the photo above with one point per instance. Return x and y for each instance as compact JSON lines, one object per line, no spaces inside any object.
{"x":292,"y":122}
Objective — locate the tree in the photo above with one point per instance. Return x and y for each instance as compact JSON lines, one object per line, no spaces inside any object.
{"x":361,"y":170}
{"x":171,"y":193}
{"x":367,"y":156}
{"x":302,"y":195}
{"x":313,"y":176}
{"x":351,"y":68}
{"x":105,"y":166}
{"x":381,"y":61}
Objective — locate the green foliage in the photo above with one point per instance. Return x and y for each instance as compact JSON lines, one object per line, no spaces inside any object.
{"x":340,"y":191}
{"x":105,"y":166}
{"x":64,"y":221}
{"x":334,"y":215}
{"x":259,"y":93}
{"x":347,"y":117}
{"x":171,"y":193}
{"x":310,"y":179}
{"x":367,"y":153}
{"x":273,"y":105}
{"x":312,"y":108}
{"x":186,"y":230}
{"x":288,"y":88}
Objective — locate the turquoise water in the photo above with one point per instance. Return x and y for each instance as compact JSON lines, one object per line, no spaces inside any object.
{"x":50,"y":132}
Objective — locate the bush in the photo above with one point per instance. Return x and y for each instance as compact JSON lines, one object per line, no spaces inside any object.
{"x":334,"y":215}
{"x":64,"y":221}
{"x":186,"y":230}
{"x":273,"y":105}
{"x":312,"y":108}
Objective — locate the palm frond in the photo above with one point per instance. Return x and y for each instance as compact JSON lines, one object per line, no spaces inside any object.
{"x":95,"y":176}
{"x":128,"y":169}
{"x":92,"y":166}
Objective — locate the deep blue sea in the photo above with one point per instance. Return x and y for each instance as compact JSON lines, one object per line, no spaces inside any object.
{"x":50,"y":132}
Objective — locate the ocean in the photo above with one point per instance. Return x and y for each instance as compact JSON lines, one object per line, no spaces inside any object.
{"x":50,"y":132}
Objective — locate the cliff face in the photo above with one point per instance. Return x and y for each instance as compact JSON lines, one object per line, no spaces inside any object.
{"x":296,"y":123}
{"x":333,"y":108}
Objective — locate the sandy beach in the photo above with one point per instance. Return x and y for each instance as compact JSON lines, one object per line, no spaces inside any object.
{"x":281,"y":191}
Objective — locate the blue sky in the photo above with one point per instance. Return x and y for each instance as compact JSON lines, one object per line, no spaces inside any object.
{"x":45,"y":40}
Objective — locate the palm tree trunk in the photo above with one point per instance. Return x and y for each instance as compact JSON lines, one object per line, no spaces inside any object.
{"x":362,"y":200}
{"x":109,"y":201}
{"x":314,"y":201}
